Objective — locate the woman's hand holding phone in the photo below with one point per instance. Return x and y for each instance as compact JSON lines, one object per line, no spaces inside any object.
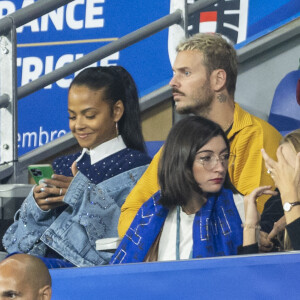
{"x":49,"y":193}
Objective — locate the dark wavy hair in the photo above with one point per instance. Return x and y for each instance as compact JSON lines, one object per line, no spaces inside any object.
{"x":175,"y":172}
{"x":117,"y":84}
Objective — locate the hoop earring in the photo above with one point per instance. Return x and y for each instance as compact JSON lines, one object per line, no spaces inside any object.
{"x":117,"y":129}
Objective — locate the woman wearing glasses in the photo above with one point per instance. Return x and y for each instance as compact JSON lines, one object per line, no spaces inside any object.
{"x":197,"y":212}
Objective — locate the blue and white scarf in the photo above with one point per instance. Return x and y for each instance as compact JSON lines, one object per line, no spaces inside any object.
{"x":216,"y":229}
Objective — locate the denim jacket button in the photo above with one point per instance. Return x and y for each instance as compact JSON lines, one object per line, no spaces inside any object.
{"x":48,"y":238}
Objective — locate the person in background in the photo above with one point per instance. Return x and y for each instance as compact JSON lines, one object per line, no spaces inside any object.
{"x":23,"y":276}
{"x":198,"y":212}
{"x":64,"y":216}
{"x":282,"y":214}
{"x":204,"y":80}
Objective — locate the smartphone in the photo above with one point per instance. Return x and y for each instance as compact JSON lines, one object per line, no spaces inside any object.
{"x":41,"y":171}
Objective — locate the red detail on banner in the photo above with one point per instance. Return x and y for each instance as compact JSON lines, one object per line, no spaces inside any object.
{"x":208,"y":16}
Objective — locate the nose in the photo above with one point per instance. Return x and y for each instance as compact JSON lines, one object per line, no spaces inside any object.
{"x":79,"y":123}
{"x":174,"y":82}
{"x":220,"y":166}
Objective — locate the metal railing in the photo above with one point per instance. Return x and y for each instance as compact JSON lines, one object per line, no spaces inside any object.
{"x":10,"y":94}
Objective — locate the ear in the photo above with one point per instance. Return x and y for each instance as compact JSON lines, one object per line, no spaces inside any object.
{"x":218,"y":80}
{"x":45,"y":293}
{"x":118,"y":110}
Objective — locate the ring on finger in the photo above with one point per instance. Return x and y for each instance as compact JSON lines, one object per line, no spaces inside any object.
{"x":269,"y":171}
{"x":60,"y":192}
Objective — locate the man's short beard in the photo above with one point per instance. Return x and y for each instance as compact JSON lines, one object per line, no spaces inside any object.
{"x":200,"y":106}
{"x":199,"y":109}
{"x":184,"y":110}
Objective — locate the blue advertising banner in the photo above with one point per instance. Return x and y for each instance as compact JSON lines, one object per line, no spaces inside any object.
{"x":82,"y":26}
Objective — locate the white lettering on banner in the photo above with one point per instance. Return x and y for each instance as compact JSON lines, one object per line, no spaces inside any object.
{"x":29,"y":135}
{"x":34,"y":67}
{"x":92,"y":12}
{"x":6,"y":8}
{"x":105,"y":62}
{"x":34,"y":24}
{"x":64,"y":83}
{"x":93,"y":16}
{"x":70,"y":15}
{"x":57,"y":18}
{"x":48,"y":68}
{"x":34,"y":139}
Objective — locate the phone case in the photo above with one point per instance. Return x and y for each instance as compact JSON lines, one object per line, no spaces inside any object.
{"x":39,"y":172}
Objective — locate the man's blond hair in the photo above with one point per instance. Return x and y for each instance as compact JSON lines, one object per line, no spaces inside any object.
{"x":217,"y":54}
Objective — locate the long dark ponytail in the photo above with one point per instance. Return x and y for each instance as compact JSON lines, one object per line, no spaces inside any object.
{"x":117,"y":84}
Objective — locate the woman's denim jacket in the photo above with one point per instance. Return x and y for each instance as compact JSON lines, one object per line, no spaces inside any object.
{"x":92,"y":213}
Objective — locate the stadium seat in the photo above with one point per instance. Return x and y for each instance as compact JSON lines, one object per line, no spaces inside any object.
{"x":285,"y":109}
{"x":153,"y":147}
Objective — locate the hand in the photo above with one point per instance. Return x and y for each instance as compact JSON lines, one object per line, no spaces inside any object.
{"x":252,"y":216}
{"x":285,"y":176}
{"x":277,"y":228}
{"x":265,"y":244}
{"x":269,"y":162}
{"x":267,"y":241}
{"x":50,"y":193}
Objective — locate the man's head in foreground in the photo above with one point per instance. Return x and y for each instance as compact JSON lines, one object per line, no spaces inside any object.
{"x":24,"y":276}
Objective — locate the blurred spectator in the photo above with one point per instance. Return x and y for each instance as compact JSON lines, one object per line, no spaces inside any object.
{"x":286,"y":175}
{"x":24,"y":276}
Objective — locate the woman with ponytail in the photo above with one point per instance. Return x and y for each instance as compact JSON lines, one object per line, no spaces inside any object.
{"x":64,"y":216}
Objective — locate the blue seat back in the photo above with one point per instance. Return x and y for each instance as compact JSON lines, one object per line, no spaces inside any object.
{"x":285,"y":110}
{"x":153,"y":147}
